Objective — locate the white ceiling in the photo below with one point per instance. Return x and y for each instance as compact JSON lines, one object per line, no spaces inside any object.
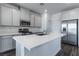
{"x":51,"y":7}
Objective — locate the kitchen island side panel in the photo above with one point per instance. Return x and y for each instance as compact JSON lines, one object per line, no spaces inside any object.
{"x":50,"y":48}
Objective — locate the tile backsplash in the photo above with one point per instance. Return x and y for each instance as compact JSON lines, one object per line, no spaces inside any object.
{"x":7,"y":30}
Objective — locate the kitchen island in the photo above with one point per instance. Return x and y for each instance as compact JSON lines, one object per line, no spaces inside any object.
{"x":35,"y":45}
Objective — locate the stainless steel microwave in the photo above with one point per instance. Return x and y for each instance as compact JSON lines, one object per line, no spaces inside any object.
{"x":24,"y":23}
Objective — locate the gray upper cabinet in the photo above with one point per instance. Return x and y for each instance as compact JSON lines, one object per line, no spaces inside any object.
{"x":16,"y":17}
{"x":6,"y":15}
{"x":24,"y":14}
{"x":32,"y":19}
{"x":9,"y":16}
{"x":35,"y":19}
{"x":12,"y":16}
{"x":38,"y":21}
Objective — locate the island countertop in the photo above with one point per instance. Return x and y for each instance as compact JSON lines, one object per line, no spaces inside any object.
{"x":31,"y":41}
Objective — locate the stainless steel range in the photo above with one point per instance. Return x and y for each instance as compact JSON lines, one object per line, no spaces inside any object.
{"x":24,"y":31}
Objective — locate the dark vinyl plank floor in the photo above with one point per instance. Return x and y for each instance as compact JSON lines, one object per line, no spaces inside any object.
{"x":70,"y":50}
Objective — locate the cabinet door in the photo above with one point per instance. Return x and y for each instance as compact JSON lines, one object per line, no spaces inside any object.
{"x":6,"y":44}
{"x":6,"y":16}
{"x":38,"y":21}
{"x":35,"y":19}
{"x":24,"y":14}
{"x":0,"y":15}
{"x":16,"y":17}
{"x":32,"y":21}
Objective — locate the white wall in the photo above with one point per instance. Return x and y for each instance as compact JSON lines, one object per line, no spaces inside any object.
{"x":49,"y":22}
{"x":56,"y":22}
{"x":71,"y":14}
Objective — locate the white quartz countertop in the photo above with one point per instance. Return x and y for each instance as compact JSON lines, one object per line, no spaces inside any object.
{"x":31,"y":41}
{"x":8,"y":34}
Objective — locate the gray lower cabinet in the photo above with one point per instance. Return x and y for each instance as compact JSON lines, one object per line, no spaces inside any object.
{"x":6,"y":43}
